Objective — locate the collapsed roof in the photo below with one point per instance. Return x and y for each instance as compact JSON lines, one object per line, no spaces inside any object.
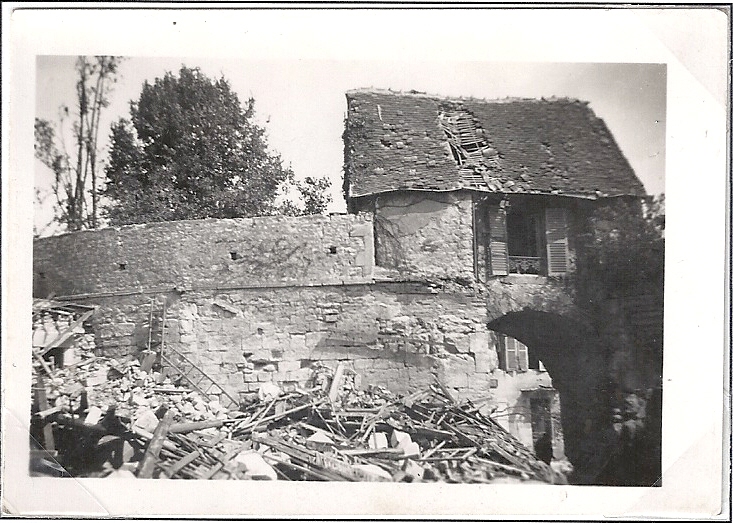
{"x":411,"y":141}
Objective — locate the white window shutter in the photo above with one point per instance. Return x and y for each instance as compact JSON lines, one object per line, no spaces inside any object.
{"x":511,"y":353}
{"x":557,"y":241}
{"x":497,"y":242}
{"x":522,"y":356}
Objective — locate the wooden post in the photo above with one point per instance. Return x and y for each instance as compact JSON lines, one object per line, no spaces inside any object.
{"x":150,"y":458}
{"x":150,"y":326}
{"x":42,"y":400}
{"x":336,"y":383}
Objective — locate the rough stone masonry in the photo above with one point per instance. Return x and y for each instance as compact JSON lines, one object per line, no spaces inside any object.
{"x":265,"y":299}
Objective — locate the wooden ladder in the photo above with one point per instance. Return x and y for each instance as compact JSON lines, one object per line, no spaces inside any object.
{"x":197,"y":378}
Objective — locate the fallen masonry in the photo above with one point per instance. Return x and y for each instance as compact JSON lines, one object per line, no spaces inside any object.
{"x":100,"y":417}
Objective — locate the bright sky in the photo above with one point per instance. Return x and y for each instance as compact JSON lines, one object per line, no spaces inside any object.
{"x":302,"y":105}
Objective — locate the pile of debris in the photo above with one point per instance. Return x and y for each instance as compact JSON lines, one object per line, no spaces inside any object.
{"x":116,"y":419}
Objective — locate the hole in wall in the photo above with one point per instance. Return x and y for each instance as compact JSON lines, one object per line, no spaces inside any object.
{"x":122,"y":266}
{"x":235,"y":255}
{"x":332,"y":249}
{"x":260,"y":331}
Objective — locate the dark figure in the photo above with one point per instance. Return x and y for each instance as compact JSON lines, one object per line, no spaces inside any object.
{"x":543,"y":448}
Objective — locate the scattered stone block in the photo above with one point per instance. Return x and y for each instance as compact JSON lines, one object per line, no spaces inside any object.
{"x":221,"y":304}
{"x":147,"y":420}
{"x":96,"y":378}
{"x":319,"y":441}
{"x":93,"y":416}
{"x":412,"y":469}
{"x":374,"y":469}
{"x":378,"y":440}
{"x":399,"y":439}
{"x":255,"y":466}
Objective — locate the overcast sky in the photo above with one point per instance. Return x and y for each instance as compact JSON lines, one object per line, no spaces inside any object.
{"x":301,"y":103}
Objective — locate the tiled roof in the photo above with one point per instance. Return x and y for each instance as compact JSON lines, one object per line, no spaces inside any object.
{"x":409,"y":141}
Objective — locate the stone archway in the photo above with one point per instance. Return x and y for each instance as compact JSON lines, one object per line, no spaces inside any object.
{"x":574,"y":356}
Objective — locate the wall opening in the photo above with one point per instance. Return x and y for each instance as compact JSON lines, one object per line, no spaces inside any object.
{"x":520,"y":235}
{"x":572,"y":356}
{"x":530,"y":405}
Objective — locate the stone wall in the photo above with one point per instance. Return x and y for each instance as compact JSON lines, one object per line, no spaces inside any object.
{"x":397,"y":335}
{"x":196,"y":254}
{"x":426,"y":234}
{"x":269,"y":298}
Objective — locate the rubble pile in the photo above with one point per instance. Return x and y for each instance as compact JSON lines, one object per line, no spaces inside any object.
{"x":102,"y":417}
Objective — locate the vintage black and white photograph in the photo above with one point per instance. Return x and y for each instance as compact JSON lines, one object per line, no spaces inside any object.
{"x":406,"y":271}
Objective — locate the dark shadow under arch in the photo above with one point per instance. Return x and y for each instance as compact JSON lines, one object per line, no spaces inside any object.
{"x":574,"y":356}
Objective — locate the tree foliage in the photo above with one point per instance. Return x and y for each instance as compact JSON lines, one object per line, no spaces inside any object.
{"x":622,"y":251}
{"x":76,"y":178}
{"x":314,"y":197}
{"x":191,"y":150}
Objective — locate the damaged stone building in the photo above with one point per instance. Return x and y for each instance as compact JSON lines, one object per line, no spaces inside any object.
{"x":453,"y":261}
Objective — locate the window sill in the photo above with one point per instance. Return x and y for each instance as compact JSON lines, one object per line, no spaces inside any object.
{"x":523,"y":278}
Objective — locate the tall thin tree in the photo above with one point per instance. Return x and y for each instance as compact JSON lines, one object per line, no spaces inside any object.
{"x":75,"y":183}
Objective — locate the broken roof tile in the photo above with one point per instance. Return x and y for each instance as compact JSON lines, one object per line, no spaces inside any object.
{"x":551,"y":145}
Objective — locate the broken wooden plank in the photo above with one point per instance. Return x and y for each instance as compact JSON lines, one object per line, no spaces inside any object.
{"x":501,"y":466}
{"x":317,"y":459}
{"x":198,"y":425}
{"x":148,"y":436}
{"x":511,"y":459}
{"x":314,"y":473}
{"x":43,"y":362}
{"x":445,"y":391}
{"x":185,"y":460}
{"x":333,"y":393}
{"x":222,"y":462}
{"x":42,"y":453}
{"x":433,"y":433}
{"x":149,"y":461}
{"x":384,"y":453}
{"x":274,"y":417}
{"x":68,"y":332}
{"x":47,"y":413}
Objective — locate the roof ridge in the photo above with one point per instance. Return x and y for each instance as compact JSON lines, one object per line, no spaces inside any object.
{"x":443,"y":98}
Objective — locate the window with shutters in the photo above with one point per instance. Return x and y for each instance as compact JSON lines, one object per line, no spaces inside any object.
{"x":513,"y":354}
{"x":524,"y":241}
{"x":516,"y":356}
{"x":520,"y":237}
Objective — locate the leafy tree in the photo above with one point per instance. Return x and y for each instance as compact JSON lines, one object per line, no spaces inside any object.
{"x":76,"y":180}
{"x":313,"y":195}
{"x":191,"y":151}
{"x":622,"y":251}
